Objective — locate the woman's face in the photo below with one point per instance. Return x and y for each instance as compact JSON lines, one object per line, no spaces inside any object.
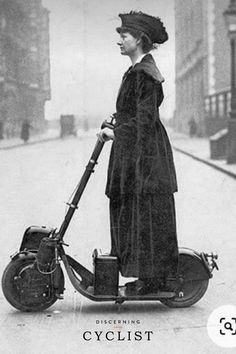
{"x":128,"y":44}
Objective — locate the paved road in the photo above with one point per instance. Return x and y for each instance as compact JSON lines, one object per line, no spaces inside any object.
{"x":36,"y":182}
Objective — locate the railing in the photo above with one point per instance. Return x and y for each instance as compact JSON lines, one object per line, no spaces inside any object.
{"x":217,"y":105}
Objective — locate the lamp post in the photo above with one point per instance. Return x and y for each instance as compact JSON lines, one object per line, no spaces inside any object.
{"x":230,"y":19}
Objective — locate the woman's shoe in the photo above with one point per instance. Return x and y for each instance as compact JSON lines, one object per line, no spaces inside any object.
{"x":153,"y":286}
{"x":148,"y":286}
{"x":132,"y":286}
{"x":144,"y":290}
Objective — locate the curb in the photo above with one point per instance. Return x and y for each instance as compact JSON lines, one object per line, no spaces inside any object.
{"x":207,"y":162}
{"x":42,"y":140}
{"x":19,"y":145}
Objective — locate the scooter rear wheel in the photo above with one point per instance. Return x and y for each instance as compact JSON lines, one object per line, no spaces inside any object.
{"x":188,"y":291}
{"x":25,"y":288}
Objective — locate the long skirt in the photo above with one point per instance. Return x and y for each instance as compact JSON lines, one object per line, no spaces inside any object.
{"x":143,"y":235}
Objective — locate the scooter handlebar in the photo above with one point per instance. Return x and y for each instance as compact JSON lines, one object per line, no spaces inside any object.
{"x":109,"y":124}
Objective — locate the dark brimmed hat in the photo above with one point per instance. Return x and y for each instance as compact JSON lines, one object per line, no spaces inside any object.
{"x":149,"y":25}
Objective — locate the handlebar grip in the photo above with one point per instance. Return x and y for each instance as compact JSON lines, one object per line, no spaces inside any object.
{"x":109,"y":124}
{"x":105,"y":124}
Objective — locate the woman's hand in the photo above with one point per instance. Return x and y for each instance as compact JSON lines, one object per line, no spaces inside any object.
{"x":105,"y":135}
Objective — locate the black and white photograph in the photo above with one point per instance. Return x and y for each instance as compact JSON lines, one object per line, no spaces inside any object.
{"x":118,"y":176}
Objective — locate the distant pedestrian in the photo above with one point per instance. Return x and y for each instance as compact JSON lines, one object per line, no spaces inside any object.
{"x":1,"y":130}
{"x":192,"y":127}
{"x":25,"y":130}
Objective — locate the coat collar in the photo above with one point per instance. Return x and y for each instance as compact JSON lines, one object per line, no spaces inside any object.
{"x":148,"y":65}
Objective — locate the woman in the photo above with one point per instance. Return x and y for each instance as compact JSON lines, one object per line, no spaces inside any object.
{"x":141,"y":173}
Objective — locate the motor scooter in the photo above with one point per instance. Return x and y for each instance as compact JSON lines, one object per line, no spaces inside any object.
{"x":34,"y":279}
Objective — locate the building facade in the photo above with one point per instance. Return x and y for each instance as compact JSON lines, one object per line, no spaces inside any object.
{"x":24,"y":64}
{"x":202,"y":65}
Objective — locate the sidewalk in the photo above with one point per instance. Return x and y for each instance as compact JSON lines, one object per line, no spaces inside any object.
{"x":199,"y":149}
{"x":51,"y":134}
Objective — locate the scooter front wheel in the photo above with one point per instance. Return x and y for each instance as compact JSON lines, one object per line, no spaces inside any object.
{"x":25,"y":288}
{"x":188,"y":287}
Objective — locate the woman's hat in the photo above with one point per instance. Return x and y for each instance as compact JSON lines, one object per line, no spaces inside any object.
{"x":149,"y":25}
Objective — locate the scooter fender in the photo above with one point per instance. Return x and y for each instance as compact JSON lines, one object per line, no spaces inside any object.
{"x":197,"y":268}
{"x":23,"y":255}
{"x":33,"y":236}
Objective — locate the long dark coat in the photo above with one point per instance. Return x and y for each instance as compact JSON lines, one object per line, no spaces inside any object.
{"x":141,"y":178}
{"x":141,"y":158}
